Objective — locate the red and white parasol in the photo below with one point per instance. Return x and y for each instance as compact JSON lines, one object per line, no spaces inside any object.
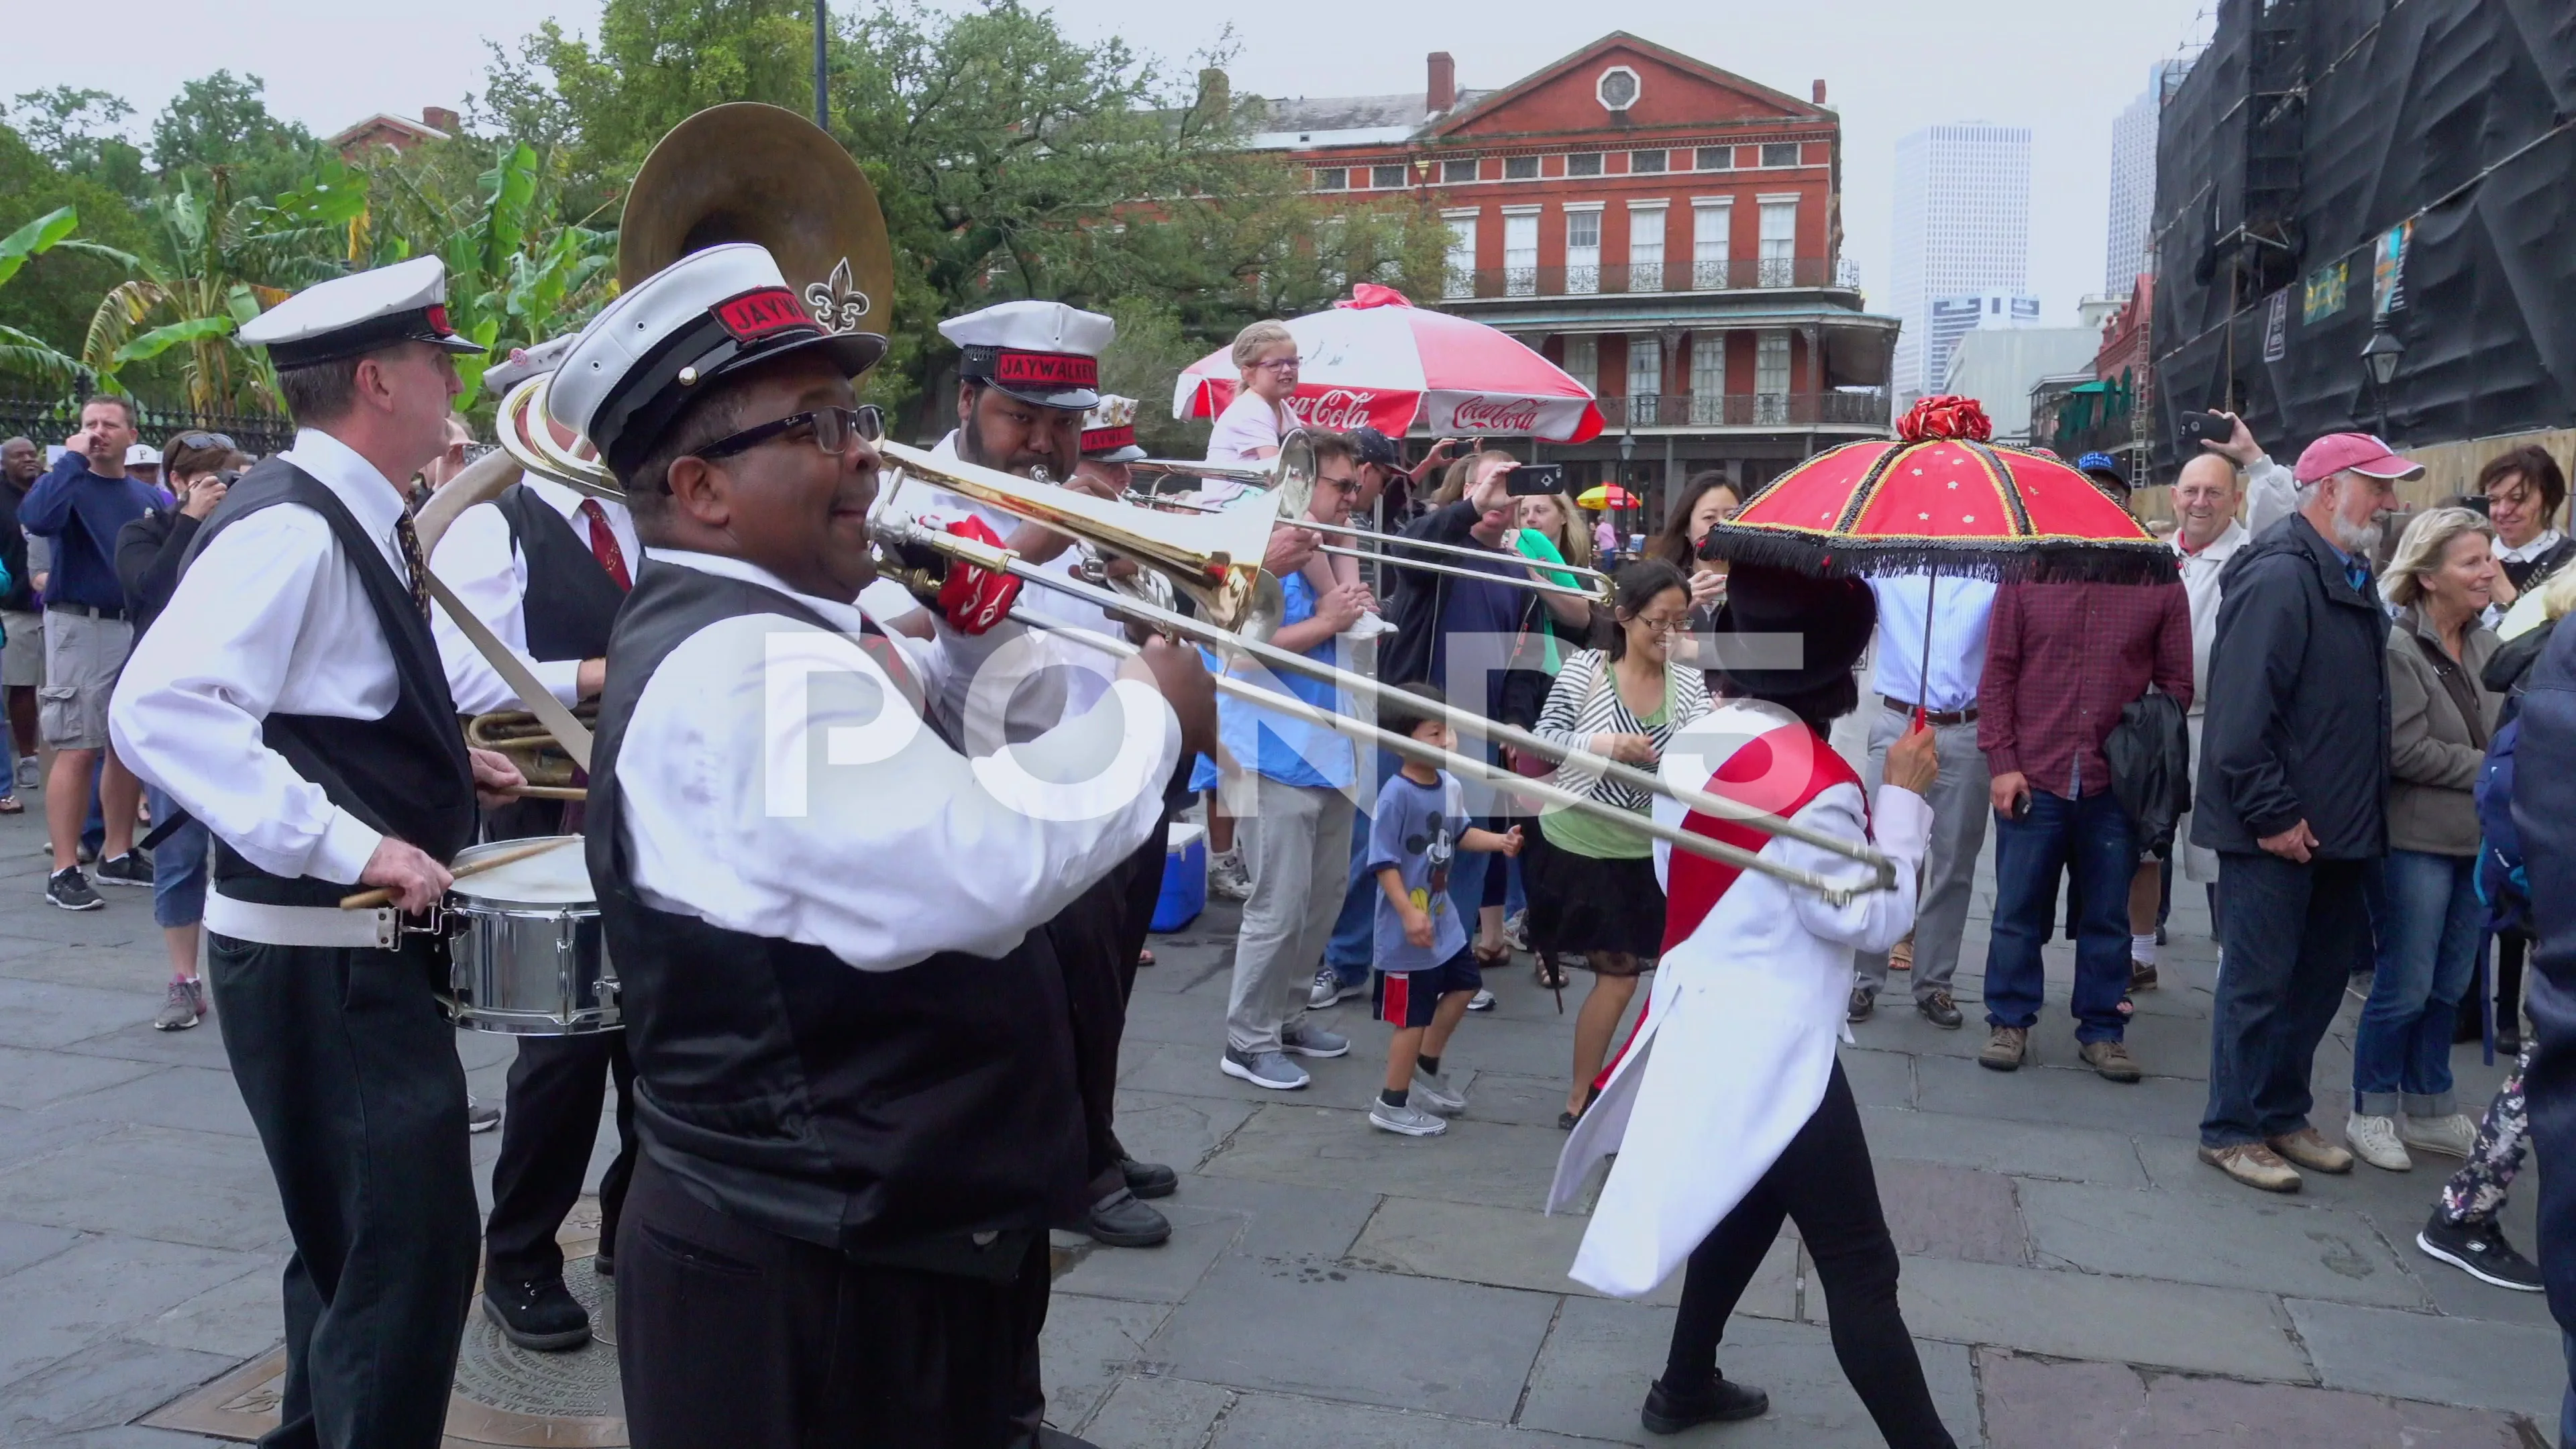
{"x":1377,"y":360}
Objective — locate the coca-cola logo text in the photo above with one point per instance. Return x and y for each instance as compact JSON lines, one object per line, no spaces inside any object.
{"x":1341,"y":409}
{"x":1496,"y":415}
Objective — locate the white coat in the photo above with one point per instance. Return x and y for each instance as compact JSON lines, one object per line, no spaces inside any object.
{"x":1739,"y":1036}
{"x":2200,"y":573}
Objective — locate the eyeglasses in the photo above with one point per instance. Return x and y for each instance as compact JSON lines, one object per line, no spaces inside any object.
{"x":1663,"y":626}
{"x":1279,"y":364}
{"x":833,"y":430}
{"x":205,"y":440}
{"x":1342,"y":485}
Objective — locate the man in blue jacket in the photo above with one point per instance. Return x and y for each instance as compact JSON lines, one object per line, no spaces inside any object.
{"x":2544,"y":812}
{"x":81,"y":505}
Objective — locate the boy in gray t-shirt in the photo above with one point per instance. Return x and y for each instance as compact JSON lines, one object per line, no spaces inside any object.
{"x":1425,"y":973}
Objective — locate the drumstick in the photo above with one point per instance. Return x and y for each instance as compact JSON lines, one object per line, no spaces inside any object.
{"x":383,"y":895}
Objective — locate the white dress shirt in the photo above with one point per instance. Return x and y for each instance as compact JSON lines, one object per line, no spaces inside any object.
{"x":2541,"y":542}
{"x":489,"y":575}
{"x":270,"y":618}
{"x":1965,"y":607}
{"x":2200,"y":582}
{"x":863,"y":832}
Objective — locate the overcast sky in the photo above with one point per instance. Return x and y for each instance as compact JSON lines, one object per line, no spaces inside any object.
{"x":2063,"y":69}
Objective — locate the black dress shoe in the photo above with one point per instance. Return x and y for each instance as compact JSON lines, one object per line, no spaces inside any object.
{"x":604,"y":1263}
{"x":1718,"y":1401}
{"x":538,"y":1313}
{"x":1148,"y":1179}
{"x":1120,"y":1221}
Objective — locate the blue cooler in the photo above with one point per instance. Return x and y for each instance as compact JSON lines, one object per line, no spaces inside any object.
{"x":1184,"y":877}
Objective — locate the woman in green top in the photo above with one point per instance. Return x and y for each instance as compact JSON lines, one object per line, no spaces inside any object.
{"x":1591,"y":882}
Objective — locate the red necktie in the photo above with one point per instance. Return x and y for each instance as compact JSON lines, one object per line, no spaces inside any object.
{"x":603,"y":544}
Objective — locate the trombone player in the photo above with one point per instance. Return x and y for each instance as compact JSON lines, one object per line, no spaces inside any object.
{"x":854,"y":1075}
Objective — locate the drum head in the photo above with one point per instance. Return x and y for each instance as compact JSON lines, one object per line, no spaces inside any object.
{"x":556,"y":877}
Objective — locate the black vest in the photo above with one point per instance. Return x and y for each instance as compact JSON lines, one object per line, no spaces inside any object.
{"x":570,"y":605}
{"x":406,"y":774}
{"x":886,"y":1113}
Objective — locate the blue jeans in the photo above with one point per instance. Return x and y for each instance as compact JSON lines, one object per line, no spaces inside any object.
{"x":2090,"y":838}
{"x":2428,"y":949}
{"x":2293,"y":933}
{"x":178,"y":866}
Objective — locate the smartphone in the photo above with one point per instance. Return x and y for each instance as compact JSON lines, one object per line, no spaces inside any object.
{"x":2207,"y":427}
{"x":1531,"y":479}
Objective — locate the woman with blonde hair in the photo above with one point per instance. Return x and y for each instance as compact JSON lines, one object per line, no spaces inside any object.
{"x":2441,"y":715}
{"x":1249,"y":430}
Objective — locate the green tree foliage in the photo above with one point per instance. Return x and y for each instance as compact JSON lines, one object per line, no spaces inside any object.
{"x":223,"y":120}
{"x":81,"y":133}
{"x":54,"y":293}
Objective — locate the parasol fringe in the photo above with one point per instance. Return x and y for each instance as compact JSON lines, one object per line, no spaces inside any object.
{"x":2003,"y":561}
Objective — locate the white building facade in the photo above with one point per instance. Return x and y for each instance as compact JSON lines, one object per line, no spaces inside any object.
{"x":1962,"y":227}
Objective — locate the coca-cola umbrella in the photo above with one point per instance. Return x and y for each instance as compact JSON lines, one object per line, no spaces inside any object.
{"x":1942,"y":498}
{"x":1377,"y":360}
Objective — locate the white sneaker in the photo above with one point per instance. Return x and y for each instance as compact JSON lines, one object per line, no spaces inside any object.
{"x":2374,"y":1140}
{"x":1408,"y":1119}
{"x":1326,"y":991}
{"x":1483,"y":1000}
{"x":1228,"y":878}
{"x":1436,"y":1093}
{"x":2452,"y":1136}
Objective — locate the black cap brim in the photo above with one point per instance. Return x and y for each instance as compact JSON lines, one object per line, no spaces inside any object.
{"x":1067,"y":399}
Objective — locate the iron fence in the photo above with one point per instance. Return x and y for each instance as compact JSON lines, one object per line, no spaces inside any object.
{"x":49,"y":421}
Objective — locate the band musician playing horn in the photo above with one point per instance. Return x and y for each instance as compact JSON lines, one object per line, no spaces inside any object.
{"x":292,"y":700}
{"x":854,"y":1077}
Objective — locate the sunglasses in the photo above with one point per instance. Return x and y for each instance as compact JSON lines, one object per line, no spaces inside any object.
{"x":205,"y":440}
{"x":833,"y":430}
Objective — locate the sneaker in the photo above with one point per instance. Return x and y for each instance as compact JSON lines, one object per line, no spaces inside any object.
{"x":1516,"y":929}
{"x":69,"y":889}
{"x":1328,"y":990}
{"x":133,"y":868}
{"x":197,"y":992}
{"x":1120,"y":1221}
{"x":2254,"y":1165}
{"x":2479,"y":1250}
{"x":1408,"y":1119}
{"x":86,"y":854}
{"x":1669,"y":1410}
{"x":2309,"y":1148}
{"x":2374,"y":1140}
{"x":2452,"y":1136}
{"x":1264,"y":1069}
{"x":1436,"y":1093}
{"x":1483,"y":1000}
{"x":2142,"y":977}
{"x":1303,"y":1040}
{"x":481,"y":1116}
{"x":2005,"y":1047}
{"x":1940,"y":1010}
{"x":1862,"y":1004}
{"x":28,"y":778}
{"x":180,"y":1009}
{"x":2110,"y":1060}
{"x":537,"y":1313}
{"x":1227,"y":878}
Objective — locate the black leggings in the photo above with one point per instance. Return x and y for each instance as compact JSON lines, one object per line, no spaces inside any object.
{"x":1823,"y":1183}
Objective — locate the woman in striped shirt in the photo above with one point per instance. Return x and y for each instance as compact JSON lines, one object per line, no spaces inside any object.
{"x":1591,"y":882}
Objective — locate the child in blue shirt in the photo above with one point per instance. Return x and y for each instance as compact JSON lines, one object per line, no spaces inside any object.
{"x":1425,"y":974}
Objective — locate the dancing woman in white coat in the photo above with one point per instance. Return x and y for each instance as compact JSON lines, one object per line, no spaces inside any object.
{"x":1728,"y":1111}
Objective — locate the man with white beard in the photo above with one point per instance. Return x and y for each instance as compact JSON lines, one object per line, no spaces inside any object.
{"x":2293,"y":795}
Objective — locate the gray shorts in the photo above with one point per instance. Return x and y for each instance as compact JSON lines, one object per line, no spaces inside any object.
{"x":22,"y":659}
{"x":82,"y":658}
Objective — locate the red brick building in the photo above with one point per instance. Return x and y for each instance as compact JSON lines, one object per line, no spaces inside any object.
{"x":397,"y":133}
{"x":1664,"y":230}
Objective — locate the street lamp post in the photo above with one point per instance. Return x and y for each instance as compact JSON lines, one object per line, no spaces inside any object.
{"x":1627,"y":450}
{"x":2379,"y":359}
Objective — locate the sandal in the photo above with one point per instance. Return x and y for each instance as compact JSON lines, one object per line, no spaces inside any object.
{"x":1489,"y":958}
{"x":1145,"y":957}
{"x":11,"y":805}
{"x":1550,"y":972}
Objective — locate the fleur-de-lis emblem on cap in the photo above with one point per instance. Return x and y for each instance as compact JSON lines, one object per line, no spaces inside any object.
{"x":836,"y":304}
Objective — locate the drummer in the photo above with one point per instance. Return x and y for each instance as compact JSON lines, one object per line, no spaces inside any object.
{"x":544,"y":568}
{"x":854,"y":1084}
{"x":291,"y":699}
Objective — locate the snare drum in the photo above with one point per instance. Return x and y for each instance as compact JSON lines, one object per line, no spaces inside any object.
{"x":527,"y":955}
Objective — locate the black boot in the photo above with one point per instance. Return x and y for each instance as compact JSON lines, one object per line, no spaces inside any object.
{"x":1120,"y":1221}
{"x":537,"y":1313}
{"x":1717,"y":1400}
{"x":1148,"y":1179}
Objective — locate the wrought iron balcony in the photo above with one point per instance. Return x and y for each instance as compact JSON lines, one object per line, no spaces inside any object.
{"x":1749,"y":410}
{"x":1631,"y":278}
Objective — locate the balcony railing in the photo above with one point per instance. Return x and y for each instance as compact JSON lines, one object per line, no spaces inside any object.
{"x":1749,"y":410}
{"x":1737,"y":274}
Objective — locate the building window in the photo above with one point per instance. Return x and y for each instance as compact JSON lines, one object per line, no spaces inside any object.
{"x":1714,"y":158}
{"x":1520,"y":255}
{"x":1329,"y":178}
{"x":1583,"y":163}
{"x":1462,"y":256}
{"x":1645,"y":378}
{"x":1387,"y":178}
{"x":1454,"y":172}
{"x":1582,"y":251}
{"x":1520,"y":168}
{"x":1780,"y":153}
{"x":1646,"y":249}
{"x":1616,"y":89}
{"x":1710,"y":224}
{"x":1583,"y":362}
{"x":1644,"y":161}
{"x":1779,"y":244}
{"x":1708,"y":379}
{"x":1771,"y":378}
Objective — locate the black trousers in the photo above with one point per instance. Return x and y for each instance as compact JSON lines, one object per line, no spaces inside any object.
{"x":350,"y":1073}
{"x":1097,"y":940}
{"x":733,"y":1337}
{"x":556,"y":1088}
{"x":1823,"y":1183}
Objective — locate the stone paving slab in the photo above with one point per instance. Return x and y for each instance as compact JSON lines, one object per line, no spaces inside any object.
{"x":131,"y":1436}
{"x":1276,"y":1421}
{"x":238,"y":1320}
{"x":2022,"y":1149}
{"x":1953,"y":1212}
{"x":1879,"y":1079}
{"x":1179,"y":1132}
{"x":51,"y":1015}
{"x":136,"y":1041}
{"x":1359,"y":1337}
{"x":1601,"y":1355}
{"x":2454,"y":1292}
{"x":25,"y":1244}
{"x":2062,"y":1094}
{"x":32,"y":1079}
{"x":2513,"y":1367}
{"x":2278,"y":1246}
{"x":2115,"y":1320}
{"x":2039,"y":1404}
{"x":188,"y":1099}
{"x":101,"y":1387}
{"x":1162,"y":1274}
{"x":1158,"y":1412}
{"x":1511,"y":1248}
{"x":80,"y":1296}
{"x":1478,"y":1162}
{"x":151,"y":1182}
{"x":1088,"y":1345}
{"x":1283,"y":1222}
{"x":1496,"y":1096}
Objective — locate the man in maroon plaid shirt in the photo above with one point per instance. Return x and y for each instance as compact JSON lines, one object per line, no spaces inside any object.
{"x":2062,"y":660}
